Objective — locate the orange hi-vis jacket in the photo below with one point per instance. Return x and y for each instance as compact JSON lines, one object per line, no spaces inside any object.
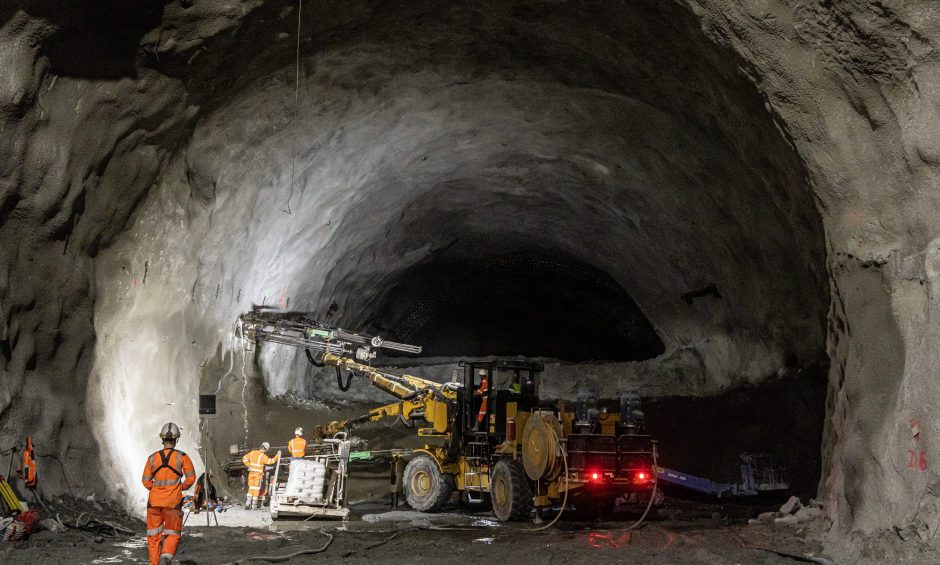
{"x":255,"y":460}
{"x":297,"y":447}
{"x":167,"y":474}
{"x":484,"y":388}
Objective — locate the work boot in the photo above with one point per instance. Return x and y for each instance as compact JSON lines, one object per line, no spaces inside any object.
{"x":166,"y":559}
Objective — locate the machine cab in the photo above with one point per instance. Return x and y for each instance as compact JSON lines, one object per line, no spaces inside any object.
{"x":511,"y":386}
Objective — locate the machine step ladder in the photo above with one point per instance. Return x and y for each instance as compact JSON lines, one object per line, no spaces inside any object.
{"x":473,"y":476}
{"x":473,"y":485}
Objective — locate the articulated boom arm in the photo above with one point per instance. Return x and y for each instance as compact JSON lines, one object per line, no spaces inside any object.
{"x":418,"y":398}
{"x":325,"y":345}
{"x":400,"y":386}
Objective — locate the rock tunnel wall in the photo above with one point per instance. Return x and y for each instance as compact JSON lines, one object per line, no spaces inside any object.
{"x":672,"y":146}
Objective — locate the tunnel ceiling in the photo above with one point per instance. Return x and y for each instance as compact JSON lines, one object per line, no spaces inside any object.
{"x":612,"y":135}
{"x":420,"y":136}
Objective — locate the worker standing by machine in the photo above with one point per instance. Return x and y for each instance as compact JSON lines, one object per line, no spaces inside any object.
{"x":298,"y":445}
{"x":255,"y":460}
{"x":167,"y":474}
{"x":482,"y":391}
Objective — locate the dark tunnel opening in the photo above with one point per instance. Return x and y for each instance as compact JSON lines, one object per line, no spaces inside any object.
{"x":524,"y":304}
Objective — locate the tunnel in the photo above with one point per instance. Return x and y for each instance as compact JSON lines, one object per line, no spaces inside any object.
{"x":726,"y":208}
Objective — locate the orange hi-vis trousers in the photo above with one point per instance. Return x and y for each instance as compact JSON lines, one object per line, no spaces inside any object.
{"x":164,"y":526}
{"x":254,"y":484}
{"x":484,"y":388}
{"x":482,"y":413}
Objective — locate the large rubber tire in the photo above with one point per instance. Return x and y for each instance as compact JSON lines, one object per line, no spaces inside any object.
{"x":510,"y":492}
{"x":426,"y":488}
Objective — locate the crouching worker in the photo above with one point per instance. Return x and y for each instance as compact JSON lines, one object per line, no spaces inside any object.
{"x":166,"y":475}
{"x":199,"y":495}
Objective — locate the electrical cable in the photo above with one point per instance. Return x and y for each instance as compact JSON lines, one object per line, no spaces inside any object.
{"x":794,"y":556}
{"x":649,"y":504}
{"x":652,"y":494}
{"x":293,"y":157}
{"x":288,"y":556}
{"x":65,"y":476}
{"x":389,"y":538}
{"x":244,"y":402}
{"x":231,"y":365}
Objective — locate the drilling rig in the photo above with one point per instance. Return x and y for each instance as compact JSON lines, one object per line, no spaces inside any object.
{"x":527,"y":454}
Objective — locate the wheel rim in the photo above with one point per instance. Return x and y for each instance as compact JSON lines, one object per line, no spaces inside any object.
{"x":421,"y":484}
{"x":500,"y":492}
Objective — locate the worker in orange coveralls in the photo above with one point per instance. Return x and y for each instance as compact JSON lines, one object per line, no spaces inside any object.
{"x":167,"y":474}
{"x":255,"y":460}
{"x":482,"y":391}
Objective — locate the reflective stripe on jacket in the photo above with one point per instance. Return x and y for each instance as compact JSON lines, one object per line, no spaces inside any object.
{"x":166,"y":483}
{"x":256,"y":460}
{"x":297,"y":447}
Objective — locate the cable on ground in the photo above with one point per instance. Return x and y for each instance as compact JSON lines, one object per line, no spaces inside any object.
{"x":287,"y":556}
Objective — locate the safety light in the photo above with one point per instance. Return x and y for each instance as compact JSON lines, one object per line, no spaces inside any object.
{"x":594,"y":476}
{"x":641,"y":476}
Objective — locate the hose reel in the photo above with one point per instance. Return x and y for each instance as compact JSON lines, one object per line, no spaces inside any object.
{"x":540,"y":446}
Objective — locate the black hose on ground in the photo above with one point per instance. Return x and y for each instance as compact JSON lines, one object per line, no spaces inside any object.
{"x":389,"y":538}
{"x":794,"y":556}
{"x":288,"y":556}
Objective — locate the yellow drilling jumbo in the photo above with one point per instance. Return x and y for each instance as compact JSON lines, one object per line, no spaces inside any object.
{"x":527,"y":453}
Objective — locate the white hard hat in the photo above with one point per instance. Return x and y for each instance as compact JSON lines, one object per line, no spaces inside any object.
{"x":170,"y":431}
{"x":482,"y":371}
{"x":265,"y":446}
{"x":299,"y":432}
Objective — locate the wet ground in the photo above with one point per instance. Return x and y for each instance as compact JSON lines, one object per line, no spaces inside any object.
{"x":681,"y":532}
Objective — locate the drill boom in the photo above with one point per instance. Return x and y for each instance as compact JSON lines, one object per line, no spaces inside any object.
{"x":418,"y":398}
{"x":294,"y":328}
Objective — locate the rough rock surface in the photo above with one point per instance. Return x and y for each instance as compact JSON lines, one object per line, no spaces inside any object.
{"x":159,"y":179}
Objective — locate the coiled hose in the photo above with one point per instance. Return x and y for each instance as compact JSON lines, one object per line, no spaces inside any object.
{"x":564,"y":501}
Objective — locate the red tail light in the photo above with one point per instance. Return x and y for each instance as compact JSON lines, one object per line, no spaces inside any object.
{"x":594,"y":476}
{"x":641,"y":476}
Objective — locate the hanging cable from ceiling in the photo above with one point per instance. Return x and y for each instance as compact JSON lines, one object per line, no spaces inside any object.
{"x":293,"y":153}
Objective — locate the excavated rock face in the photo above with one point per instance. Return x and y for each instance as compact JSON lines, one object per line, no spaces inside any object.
{"x":664,"y":196}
